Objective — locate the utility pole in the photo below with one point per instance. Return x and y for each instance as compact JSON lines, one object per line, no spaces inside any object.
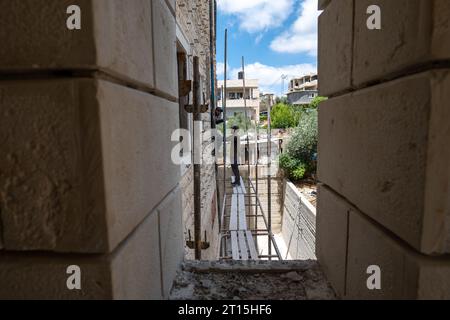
{"x":283,"y":77}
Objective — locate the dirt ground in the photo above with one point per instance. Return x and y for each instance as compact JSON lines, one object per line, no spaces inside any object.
{"x":309,"y":189}
{"x":257,"y":280}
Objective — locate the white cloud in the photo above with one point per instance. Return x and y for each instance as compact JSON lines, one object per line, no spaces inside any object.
{"x":257,"y":15}
{"x":270,"y":77}
{"x":302,"y":35}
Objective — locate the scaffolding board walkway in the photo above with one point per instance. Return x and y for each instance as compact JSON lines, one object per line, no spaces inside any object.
{"x":239,"y":225}
{"x":242,"y":242}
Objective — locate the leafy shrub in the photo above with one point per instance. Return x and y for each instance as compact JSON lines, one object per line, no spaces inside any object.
{"x":299,"y":173}
{"x":282,"y":116}
{"x":315,"y":103}
{"x":298,"y":160}
{"x":303,"y":142}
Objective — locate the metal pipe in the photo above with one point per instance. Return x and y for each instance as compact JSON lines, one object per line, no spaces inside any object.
{"x":197,"y":167}
{"x":269,"y":180}
{"x":266,"y":224}
{"x":224,"y":107}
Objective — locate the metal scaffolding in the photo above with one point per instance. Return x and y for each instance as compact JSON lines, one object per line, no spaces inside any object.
{"x":239,"y":240}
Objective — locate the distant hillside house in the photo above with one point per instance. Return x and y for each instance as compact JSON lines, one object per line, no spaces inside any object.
{"x":302,"y":91}
{"x":235,"y":98}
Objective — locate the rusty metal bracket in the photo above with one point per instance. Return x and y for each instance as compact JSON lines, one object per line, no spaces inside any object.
{"x":191,"y":244}
{"x":184,"y":87}
{"x":190,"y":108}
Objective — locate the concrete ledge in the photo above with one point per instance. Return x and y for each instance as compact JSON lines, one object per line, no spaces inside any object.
{"x":299,"y":224}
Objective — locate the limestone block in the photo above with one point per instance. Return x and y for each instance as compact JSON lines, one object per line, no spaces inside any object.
{"x":412,"y":34}
{"x":136,"y":267}
{"x":115,"y":37}
{"x":136,"y":129}
{"x":323,"y":4}
{"x":381,"y":148}
{"x":79,"y":170}
{"x":335,"y":47}
{"x":51,"y":166}
{"x":171,"y":4}
{"x":164,"y":44}
{"x":404,"y":273}
{"x":331,"y":237}
{"x":131,"y":272}
{"x":172,"y":240}
{"x":441,"y":29}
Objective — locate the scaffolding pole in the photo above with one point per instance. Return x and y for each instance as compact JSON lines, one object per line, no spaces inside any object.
{"x":269,"y":177}
{"x":224,"y":107}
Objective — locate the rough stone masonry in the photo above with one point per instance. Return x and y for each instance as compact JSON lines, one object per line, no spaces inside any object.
{"x":86,"y":176}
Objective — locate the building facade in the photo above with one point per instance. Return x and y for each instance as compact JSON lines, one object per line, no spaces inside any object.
{"x":303,"y":90}
{"x":235,"y":98}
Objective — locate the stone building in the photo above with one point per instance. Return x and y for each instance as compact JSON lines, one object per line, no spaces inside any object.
{"x":383,"y":148}
{"x":86,"y":175}
{"x":302,"y":91}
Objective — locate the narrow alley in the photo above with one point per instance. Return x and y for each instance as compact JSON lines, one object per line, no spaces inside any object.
{"x":224,"y":150}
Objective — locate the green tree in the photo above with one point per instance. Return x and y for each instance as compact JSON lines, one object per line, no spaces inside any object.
{"x":315,"y":103}
{"x":282,"y":116}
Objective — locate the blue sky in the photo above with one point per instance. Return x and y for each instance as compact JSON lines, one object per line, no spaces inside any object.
{"x":276,"y":37}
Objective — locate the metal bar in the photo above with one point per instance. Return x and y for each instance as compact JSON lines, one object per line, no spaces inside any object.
{"x":197,"y":168}
{"x":269,"y":180}
{"x":246,"y":119}
{"x":265,"y":222}
{"x":223,"y":212}
{"x":224,"y":107}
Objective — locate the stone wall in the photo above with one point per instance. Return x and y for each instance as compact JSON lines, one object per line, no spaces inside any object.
{"x":383,"y":148}
{"x":86,"y":176}
{"x":193,"y":35}
{"x":299,"y":224}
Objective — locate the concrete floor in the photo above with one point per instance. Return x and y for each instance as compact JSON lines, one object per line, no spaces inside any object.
{"x":255,"y":280}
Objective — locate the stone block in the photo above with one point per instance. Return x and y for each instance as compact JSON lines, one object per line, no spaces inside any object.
{"x":323,"y":4}
{"x":380,"y":148}
{"x":335,"y":47}
{"x":331,"y":237}
{"x":414,"y":33}
{"x":164,"y":44}
{"x":115,"y":37}
{"x":172,"y":239}
{"x":404,"y":273}
{"x":136,"y":268}
{"x":132,"y":272}
{"x":441,"y":29}
{"x":79,"y":169}
{"x":136,"y":128}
